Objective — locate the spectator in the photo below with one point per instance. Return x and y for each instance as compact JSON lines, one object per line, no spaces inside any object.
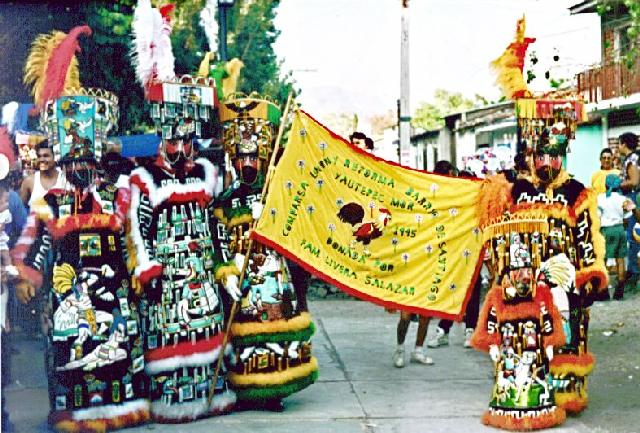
{"x":12,"y":230}
{"x":606,"y":168}
{"x":445,"y":168}
{"x":471,"y":312}
{"x":361,"y":141}
{"x":417,"y":355}
{"x":48,"y":176}
{"x":630,"y":180}
{"x":611,"y":208}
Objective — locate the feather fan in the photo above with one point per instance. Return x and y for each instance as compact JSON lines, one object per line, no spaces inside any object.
{"x":494,"y":198}
{"x":210,"y":25}
{"x":510,"y":64}
{"x":165,"y":63}
{"x":560,"y":271}
{"x":51,"y":66}
{"x":151,"y":52}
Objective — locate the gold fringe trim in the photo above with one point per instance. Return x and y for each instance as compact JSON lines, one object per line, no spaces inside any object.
{"x":275,"y":377}
{"x":521,"y":222}
{"x":299,"y":322}
{"x":223,"y":272}
{"x":577,"y":370}
{"x":203,"y":70}
{"x":239,"y":220}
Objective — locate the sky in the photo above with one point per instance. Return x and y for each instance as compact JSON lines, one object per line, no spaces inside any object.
{"x":345,"y":54}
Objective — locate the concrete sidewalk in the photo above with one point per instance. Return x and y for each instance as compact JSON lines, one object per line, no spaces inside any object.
{"x":359,"y":390}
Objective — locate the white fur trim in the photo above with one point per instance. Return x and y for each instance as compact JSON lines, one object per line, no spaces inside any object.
{"x":159,"y":194}
{"x":193,"y":409}
{"x":122,"y":182}
{"x":111,"y":411}
{"x":179,"y":361}
{"x":140,"y":269}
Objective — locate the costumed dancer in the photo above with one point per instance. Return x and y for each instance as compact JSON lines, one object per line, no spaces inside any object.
{"x":544,"y":230}
{"x":574,"y":234}
{"x":95,"y":360}
{"x":272,"y":330}
{"x":573,"y":242}
{"x":173,"y":231}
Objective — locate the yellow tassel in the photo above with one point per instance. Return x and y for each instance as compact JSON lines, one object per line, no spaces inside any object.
{"x":274,"y":378}
{"x":230,"y":84}
{"x":203,"y":70}
{"x":253,"y":328}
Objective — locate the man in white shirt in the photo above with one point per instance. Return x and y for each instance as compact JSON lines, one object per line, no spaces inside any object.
{"x":48,"y":176}
{"x":612,"y":208}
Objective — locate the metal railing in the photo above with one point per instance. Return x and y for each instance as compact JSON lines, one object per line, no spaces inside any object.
{"x":609,"y":81}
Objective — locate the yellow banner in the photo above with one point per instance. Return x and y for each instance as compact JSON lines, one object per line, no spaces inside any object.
{"x":398,"y":237}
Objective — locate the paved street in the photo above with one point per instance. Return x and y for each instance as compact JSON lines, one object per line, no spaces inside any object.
{"x":360,"y":391}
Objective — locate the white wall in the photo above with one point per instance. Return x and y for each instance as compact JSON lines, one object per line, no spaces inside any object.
{"x":616,"y":131}
{"x":465,"y":146}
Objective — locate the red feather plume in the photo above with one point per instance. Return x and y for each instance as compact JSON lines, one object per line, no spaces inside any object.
{"x":6,"y":147}
{"x":59,"y":62}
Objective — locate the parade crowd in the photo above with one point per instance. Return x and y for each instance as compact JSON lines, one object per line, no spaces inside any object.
{"x":156,"y":305}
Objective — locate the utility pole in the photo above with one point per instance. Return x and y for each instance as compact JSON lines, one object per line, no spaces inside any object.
{"x":223,"y":5}
{"x":405,"y":115}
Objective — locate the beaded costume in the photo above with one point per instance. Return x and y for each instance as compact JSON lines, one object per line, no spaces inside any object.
{"x":95,"y":362}
{"x":548,"y":227}
{"x":173,"y":231}
{"x":272,"y":330}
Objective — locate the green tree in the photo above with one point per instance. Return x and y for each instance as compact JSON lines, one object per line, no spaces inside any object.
{"x":105,"y":60}
{"x":631,"y":52}
{"x":251,"y":39}
{"x":430,"y":115}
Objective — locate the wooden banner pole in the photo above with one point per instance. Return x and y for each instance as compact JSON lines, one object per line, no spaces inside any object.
{"x":245,"y":263}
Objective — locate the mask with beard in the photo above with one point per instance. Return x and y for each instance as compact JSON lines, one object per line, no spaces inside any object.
{"x":247,"y":168}
{"x":548,"y":167}
{"x":80,"y":174}
{"x":177,"y":152}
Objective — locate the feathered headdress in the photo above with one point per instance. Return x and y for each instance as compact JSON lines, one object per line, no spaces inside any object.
{"x":510,"y":64}
{"x":210,"y":25}
{"x":152,"y":53}
{"x":52,"y":67}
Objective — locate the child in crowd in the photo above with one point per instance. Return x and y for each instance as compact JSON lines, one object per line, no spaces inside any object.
{"x":613,"y":207}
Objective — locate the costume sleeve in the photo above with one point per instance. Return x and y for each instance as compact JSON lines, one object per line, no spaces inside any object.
{"x":487,"y":331}
{"x":123,"y":197}
{"x":589,"y":244}
{"x":140,"y":215}
{"x":32,"y":248}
